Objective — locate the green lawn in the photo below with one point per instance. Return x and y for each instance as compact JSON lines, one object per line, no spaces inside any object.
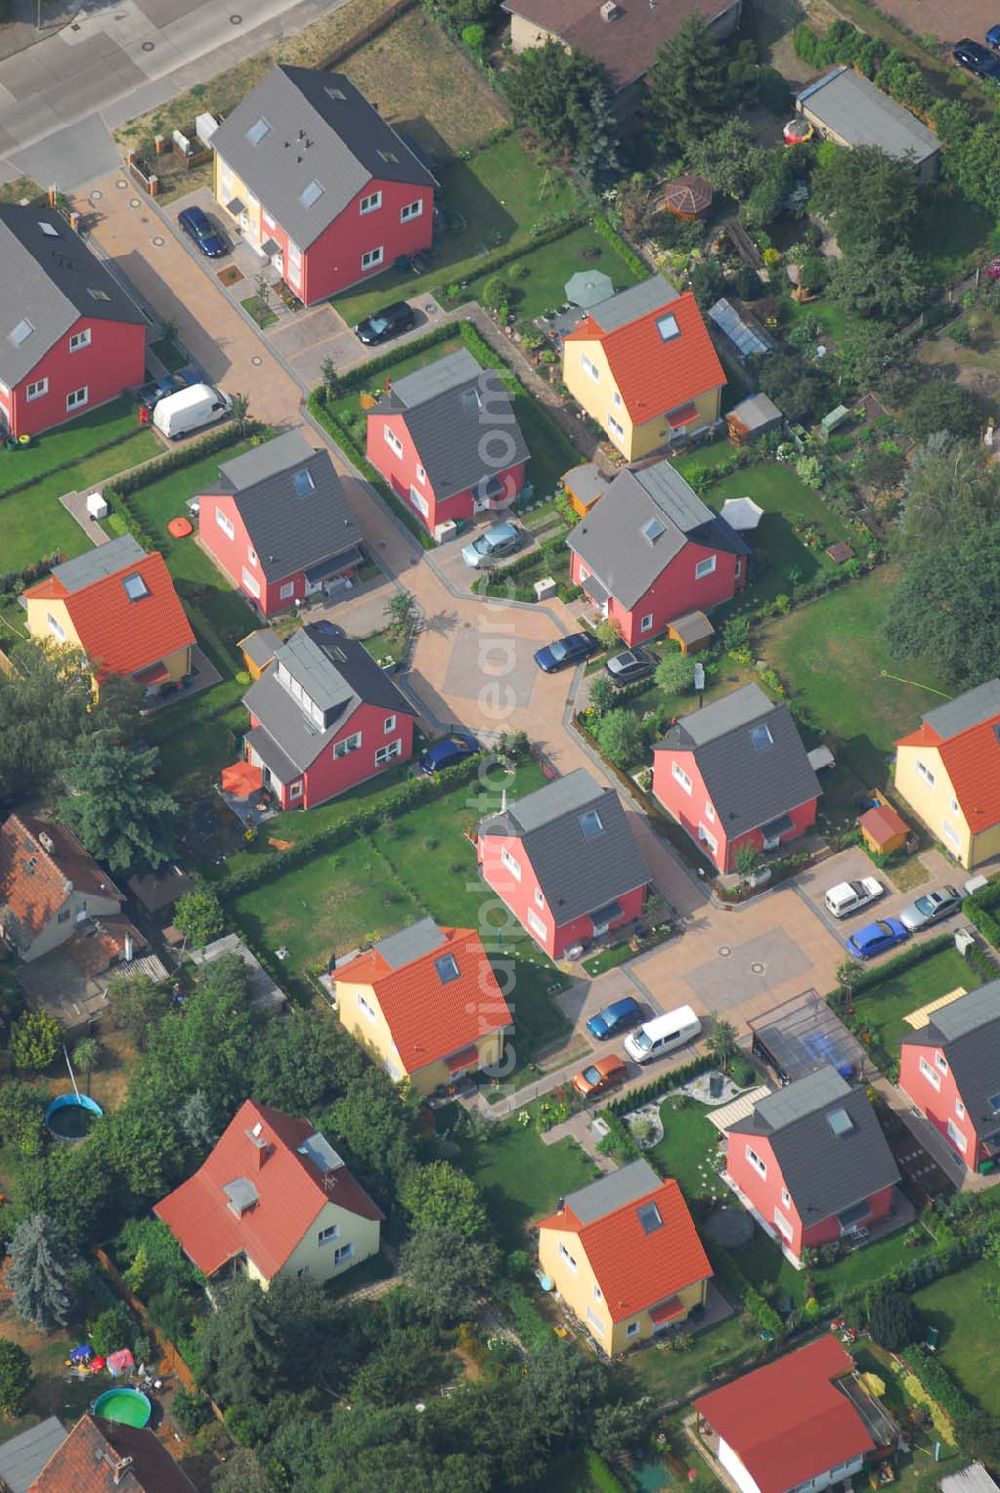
{"x":948,"y":228}
{"x":494,"y":198}
{"x":522,"y":1178}
{"x":832,"y":318}
{"x":882,"y":1007}
{"x":688,"y":1146}
{"x":832,"y":655}
{"x":262,"y":315}
{"x":197,"y":738}
{"x":969,"y":1329}
{"x":669,"y":1375}
{"x":549,"y":267}
{"x":72,"y":442}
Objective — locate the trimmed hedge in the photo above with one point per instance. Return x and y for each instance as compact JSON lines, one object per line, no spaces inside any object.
{"x":662,"y":1085}
{"x":186,"y":456}
{"x":30,"y":574}
{"x":627,"y":255}
{"x":980,"y":909}
{"x":915,"y":954}
{"x":546,"y":233}
{"x":65,"y":466}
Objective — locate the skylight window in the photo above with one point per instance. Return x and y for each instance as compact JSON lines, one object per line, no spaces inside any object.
{"x":650,"y":1218}
{"x":653,"y":529}
{"x":994,"y":1103}
{"x":389,"y":155}
{"x":761,"y":738}
{"x":97,"y":295}
{"x":135,"y":587}
{"x":21,"y":332}
{"x":312,"y":193}
{"x":840,"y":1122}
{"x":668,"y":328}
{"x":49,"y":228}
{"x":337,"y":93}
{"x":590,"y":824}
{"x":303,"y":482}
{"x":447,"y":968}
{"x":257,"y":131}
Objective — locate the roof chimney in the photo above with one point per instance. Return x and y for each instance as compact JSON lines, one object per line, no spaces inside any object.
{"x":46,"y":841}
{"x":561,"y":1205}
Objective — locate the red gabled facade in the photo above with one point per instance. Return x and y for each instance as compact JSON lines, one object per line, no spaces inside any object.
{"x":675,"y":592}
{"x":925,"y":1075}
{"x":402,"y":469}
{"x":333,"y":262}
{"x":112,"y":361}
{"x":521,"y":895}
{"x":329,"y":775}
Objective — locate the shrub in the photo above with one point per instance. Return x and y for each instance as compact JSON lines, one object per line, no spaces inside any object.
{"x":894,"y":1320}
{"x":34,"y":1040}
{"x":496,"y":292}
{"x":190,"y":1410}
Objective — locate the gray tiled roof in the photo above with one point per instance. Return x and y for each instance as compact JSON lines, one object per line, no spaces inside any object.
{"x":459,"y":415}
{"x":23,"y":1457}
{"x":95,"y":564}
{"x":577,"y":874}
{"x":971,"y":709}
{"x":49,"y":280}
{"x":290,"y":530}
{"x":337,"y":676}
{"x":824,"y":1171}
{"x":612,"y":543}
{"x":409,"y":943}
{"x":629,"y":305}
{"x":609,"y":1193}
{"x":322,"y":130}
{"x":852,"y":108}
{"x":749,"y":786}
{"x":968,"y":1031}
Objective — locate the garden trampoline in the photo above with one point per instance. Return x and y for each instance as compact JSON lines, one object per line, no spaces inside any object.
{"x":70,"y":1116}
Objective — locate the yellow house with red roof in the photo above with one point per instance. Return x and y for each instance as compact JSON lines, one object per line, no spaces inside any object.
{"x":426,"y":1004}
{"x":625,"y":1256}
{"x":642,"y":364}
{"x":118,"y":605}
{"x":948,"y":771}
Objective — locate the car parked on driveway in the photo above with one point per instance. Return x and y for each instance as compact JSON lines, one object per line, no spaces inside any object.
{"x":877,"y":937}
{"x":208,"y":236}
{"x":451,"y":749}
{"x":492,"y":544}
{"x":627,"y":667}
{"x":606,"y":1073}
{"x":620,"y":1016}
{"x":382,"y":325}
{"x":850,"y":896}
{"x":567,"y":651}
{"x":932,"y":907}
{"x":977,"y":59}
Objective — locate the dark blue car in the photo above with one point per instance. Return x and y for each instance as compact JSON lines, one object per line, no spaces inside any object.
{"x":565,"y":652}
{"x":209,"y":238}
{"x":448,"y":751}
{"x":620,"y":1016}
{"x":877,"y":937}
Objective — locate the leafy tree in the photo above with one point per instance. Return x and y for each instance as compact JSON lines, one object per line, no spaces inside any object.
{"x":373,"y":1119}
{"x":602,"y":694}
{"x":141,"y":1143}
{"x":866,"y":196}
{"x":951,"y":489}
{"x":136,"y":1003}
{"x":117,"y":713}
{"x":729,"y":158}
{"x":674,"y":673}
{"x":565,"y":98}
{"x":879,"y":280}
{"x":16,"y":1377}
{"x":261,"y":299}
{"x":241,"y":1472}
{"x":115,"y":805}
{"x":438,"y":1195}
{"x":407,"y":1364}
{"x":239,"y":405}
{"x":197,"y":1122}
{"x":609,"y":632}
{"x":446,"y":1272}
{"x":38,"y":1273}
{"x":948,"y":602}
{"x":747,"y":859}
{"x":35,"y":1038}
{"x":466,"y":12}
{"x":979,"y":1435}
{"x":43,"y":705}
{"x":199,"y":917}
{"x":190,"y":1410}
{"x":894,"y":1320}
{"x":688,"y":84}
{"x":111,"y":1329}
{"x":566,"y":1386}
{"x":238,"y":1351}
{"x":800,"y":390}
{"x":329,"y":381}
{"x":22,"y":1107}
{"x":621,"y":1425}
{"x":87,"y":1056}
{"x":303,"y":1063}
{"x":865,"y":351}
{"x":622,"y":737}
{"x":940,"y":406}
{"x":882,"y":468}
{"x":402,"y":613}
{"x":722,"y":1044}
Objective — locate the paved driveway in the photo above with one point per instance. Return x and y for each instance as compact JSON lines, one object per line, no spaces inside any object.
{"x":852,"y":864}
{"x":949,"y":20}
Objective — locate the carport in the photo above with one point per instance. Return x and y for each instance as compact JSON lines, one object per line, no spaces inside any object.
{"x":803,"y":1034}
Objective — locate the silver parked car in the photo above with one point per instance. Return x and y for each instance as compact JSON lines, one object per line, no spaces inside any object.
{"x":492,"y":544}
{"x":932,"y":907}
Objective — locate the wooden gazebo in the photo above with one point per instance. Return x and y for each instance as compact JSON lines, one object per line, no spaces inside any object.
{"x":688,"y":198}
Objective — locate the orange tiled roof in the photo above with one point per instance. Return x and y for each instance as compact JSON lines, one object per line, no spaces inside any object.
{"x":102,"y":1456}
{"x":634,"y":1269}
{"x":655,"y":377}
{"x":119,"y":635}
{"x":33,"y":880}
{"x":972,"y":761}
{"x":431,"y":1019}
{"x":291,"y":1193}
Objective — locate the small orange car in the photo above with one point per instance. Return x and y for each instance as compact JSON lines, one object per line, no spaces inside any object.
{"x":606,"y":1073}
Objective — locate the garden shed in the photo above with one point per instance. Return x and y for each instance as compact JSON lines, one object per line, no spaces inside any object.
{"x":883,"y":829}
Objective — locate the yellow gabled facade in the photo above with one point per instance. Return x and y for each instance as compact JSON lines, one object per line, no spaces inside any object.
{"x":49,"y":621}
{"x":588,"y":377}
{"x":322,"y":1254}
{"x":922,"y":779}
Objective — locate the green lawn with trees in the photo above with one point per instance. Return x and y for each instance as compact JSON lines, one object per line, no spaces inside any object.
{"x":964,"y":1309}
{"x":879,"y":1009}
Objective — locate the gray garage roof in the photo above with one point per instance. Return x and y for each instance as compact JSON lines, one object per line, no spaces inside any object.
{"x":410,"y":943}
{"x":292,"y":503}
{"x":853,"y":109}
{"x":971,"y":709}
{"x":968,"y":1031}
{"x":643,"y":522}
{"x":828,"y":1143}
{"x":459,"y":415}
{"x":751,"y":756}
{"x":337,"y":675}
{"x":306,"y":142}
{"x":23,"y":1457}
{"x":612,"y":1192}
{"x":48,"y":280}
{"x":629,"y":305}
{"x":95,"y":564}
{"x":577,"y":838}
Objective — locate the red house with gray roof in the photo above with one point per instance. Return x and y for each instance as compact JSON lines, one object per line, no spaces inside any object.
{"x":950,"y":1069}
{"x":565,"y":861}
{"x":650,"y":551}
{"x":791,"y":1424}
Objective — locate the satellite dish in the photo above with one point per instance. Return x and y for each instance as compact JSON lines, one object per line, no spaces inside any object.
{"x":699,"y":677}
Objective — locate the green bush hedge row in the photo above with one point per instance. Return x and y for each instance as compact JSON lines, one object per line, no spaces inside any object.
{"x":980,"y":909}
{"x":31,"y":573}
{"x":627,"y":255}
{"x":661,"y":1085}
{"x":601,"y":1477}
{"x":186,"y":456}
{"x":64,"y":466}
{"x":545,"y":233}
{"x":915,"y":954}
{"x":938,"y":1382}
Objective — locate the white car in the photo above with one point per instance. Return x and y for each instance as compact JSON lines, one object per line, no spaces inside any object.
{"x":850,"y":896}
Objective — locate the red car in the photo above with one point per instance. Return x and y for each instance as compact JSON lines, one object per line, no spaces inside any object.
{"x":606,"y":1073}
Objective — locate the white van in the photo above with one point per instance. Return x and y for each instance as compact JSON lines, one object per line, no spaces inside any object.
{"x":850,"y":896}
{"x":189,"y":409}
{"x":662,"y":1034}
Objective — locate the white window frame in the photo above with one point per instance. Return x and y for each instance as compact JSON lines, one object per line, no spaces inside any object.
{"x":419,"y":502}
{"x":709,"y":811}
{"x":252,"y":555}
{"x":707,"y":838}
{"x":923,"y":771}
{"x":37,"y":390}
{"x":705,"y":568}
{"x":225,"y":523}
{"x":78,"y":398}
{"x":510,"y":862}
{"x":287,"y":591}
{"x":386,"y":753}
{"x":940,"y":1061}
{"x":344,"y":1252}
{"x":616,"y":399}
{"x":632,"y":1330}
{"x":349,"y":744}
{"x":371,"y":203}
{"x":363,"y":1005}
{"x":79,"y":340}
{"x":539,"y":899}
{"x":590,"y":368}
{"x":646,"y":624}
{"x":421,"y":476}
{"x":782,"y":1224}
{"x":389,"y":725}
{"x":250,"y":582}
{"x":372,"y":258}
{"x":565,"y":1255}
{"x":680,"y":776}
{"x":328,"y":1235}
{"x":411,"y":210}
{"x":536,"y":925}
{"x":930,"y":1074}
{"x":786,"y":1198}
{"x":754,"y":1161}
{"x":595,"y":1321}
{"x":956,"y":1136}
{"x":55,"y":627}
{"x":295,"y":789}
{"x":960,"y":1109}
{"x":393,"y":442}
{"x":738,"y":568}
{"x":615,"y":428}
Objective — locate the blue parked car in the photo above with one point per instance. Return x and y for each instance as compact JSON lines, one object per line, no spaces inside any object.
{"x":565,"y":652}
{"x":876,"y":937}
{"x":620,"y":1016}
{"x":448,"y":751}
{"x":209,"y":238}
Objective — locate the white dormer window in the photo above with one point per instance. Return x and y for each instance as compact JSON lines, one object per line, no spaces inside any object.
{"x":79,"y":339}
{"x":371,"y":203}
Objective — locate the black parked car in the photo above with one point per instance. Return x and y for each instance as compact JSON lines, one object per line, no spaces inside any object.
{"x":391,"y":321}
{"x":633,"y":664}
{"x":977,"y":59}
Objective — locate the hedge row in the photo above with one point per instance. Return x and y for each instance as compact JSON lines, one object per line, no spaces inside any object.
{"x":186,"y":456}
{"x":980,"y":909}
{"x":627,"y":255}
{"x":407,"y":795}
{"x":601,"y":1477}
{"x":672,"y":1079}
{"x":938,"y":1383}
{"x":31,"y":573}
{"x":915,"y":954}
{"x":361,"y":377}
